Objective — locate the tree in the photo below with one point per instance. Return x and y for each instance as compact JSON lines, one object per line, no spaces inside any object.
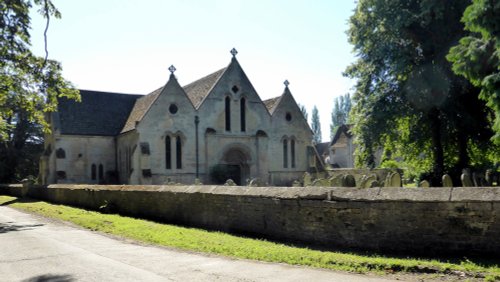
{"x":340,"y":114}
{"x":316,"y":126}
{"x":477,"y":56}
{"x":29,"y":85}
{"x":304,"y":111}
{"x":406,"y":97}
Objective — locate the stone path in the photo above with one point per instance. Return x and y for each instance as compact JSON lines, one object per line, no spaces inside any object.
{"x":37,"y":249}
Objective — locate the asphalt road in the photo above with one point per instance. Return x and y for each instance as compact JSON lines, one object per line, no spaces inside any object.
{"x":37,"y":249}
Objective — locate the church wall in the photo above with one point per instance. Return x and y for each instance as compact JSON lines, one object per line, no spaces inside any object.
{"x":75,"y":155}
{"x":126,"y":148}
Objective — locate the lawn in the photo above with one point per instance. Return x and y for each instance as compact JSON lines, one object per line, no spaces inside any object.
{"x":219,"y":243}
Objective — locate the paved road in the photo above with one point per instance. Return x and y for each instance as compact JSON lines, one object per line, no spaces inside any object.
{"x":37,"y":249}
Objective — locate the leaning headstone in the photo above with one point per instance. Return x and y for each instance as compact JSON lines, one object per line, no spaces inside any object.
{"x":296,"y":183}
{"x":370,"y":181}
{"x":336,"y":181}
{"x":307,"y":179}
{"x":466,"y":178}
{"x":255,"y":182}
{"x":230,"y":182}
{"x":348,"y":181}
{"x":447,"y":182}
{"x":424,"y":184}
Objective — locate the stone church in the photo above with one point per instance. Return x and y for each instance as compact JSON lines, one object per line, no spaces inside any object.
{"x":212,"y":129}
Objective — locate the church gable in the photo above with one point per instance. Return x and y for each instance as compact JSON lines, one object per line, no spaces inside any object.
{"x":287,"y":115}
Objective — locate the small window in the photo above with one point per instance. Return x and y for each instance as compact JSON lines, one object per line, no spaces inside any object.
{"x":168,"y":152}
{"x":288,"y":116}
{"x":178,"y":147}
{"x":243,"y":114}
{"x":235,"y":89}
{"x":292,"y":152}
{"x":285,"y":153}
{"x":228,"y":113}
{"x":60,"y":153}
{"x":173,"y":109}
{"x":61,"y":174}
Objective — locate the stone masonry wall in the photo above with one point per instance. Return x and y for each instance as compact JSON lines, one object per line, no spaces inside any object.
{"x":432,"y":220}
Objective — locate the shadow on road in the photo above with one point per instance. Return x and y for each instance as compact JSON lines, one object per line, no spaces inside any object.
{"x":11,"y":226}
{"x":50,"y":278}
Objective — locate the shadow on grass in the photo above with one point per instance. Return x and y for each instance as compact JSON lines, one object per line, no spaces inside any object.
{"x":19,"y":200}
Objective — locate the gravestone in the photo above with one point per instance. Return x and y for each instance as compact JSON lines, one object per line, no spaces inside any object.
{"x":393,"y":180}
{"x":348,"y":181}
{"x":466,"y":178}
{"x":372,"y":184}
{"x":424,"y":184}
{"x":296,"y":183}
{"x":197,"y":181}
{"x":446,"y":180}
{"x":230,"y":182}
{"x":321,"y":182}
{"x":307,"y":179}
{"x":255,"y":182}
{"x":336,"y":181}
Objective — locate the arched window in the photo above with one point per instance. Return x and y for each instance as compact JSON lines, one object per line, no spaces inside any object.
{"x":243,"y":114}
{"x":101,"y":172}
{"x":285,"y":153}
{"x":168,"y":152}
{"x":178,"y":151}
{"x":228,"y":113}
{"x":292,"y":152}
{"x":93,"y":172}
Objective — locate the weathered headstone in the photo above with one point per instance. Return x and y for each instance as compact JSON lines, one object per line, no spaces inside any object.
{"x":424,"y":184}
{"x":372,"y":184}
{"x":393,"y":180}
{"x":296,"y":183}
{"x":307,"y":179}
{"x":348,"y":181}
{"x":197,"y":181}
{"x":447,"y":182}
{"x":336,"y":181}
{"x":466,"y":178}
{"x":321,"y":182}
{"x":230,"y":182}
{"x":255,"y":182}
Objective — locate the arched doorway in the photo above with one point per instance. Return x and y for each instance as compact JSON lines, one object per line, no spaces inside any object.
{"x":235,"y":161}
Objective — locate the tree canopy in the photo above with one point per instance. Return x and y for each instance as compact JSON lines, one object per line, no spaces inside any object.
{"x":407,"y":99}
{"x":316,"y":126}
{"x":340,"y":113}
{"x":477,"y":56}
{"x":29,"y":84}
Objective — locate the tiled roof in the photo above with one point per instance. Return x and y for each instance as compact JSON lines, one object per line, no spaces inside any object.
{"x":272,"y":103}
{"x":140,"y":108}
{"x":198,"y":90}
{"x":99,"y":113}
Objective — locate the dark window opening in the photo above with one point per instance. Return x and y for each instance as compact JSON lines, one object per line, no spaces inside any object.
{"x":61,"y":174}
{"x":93,"y":172}
{"x":168,"y":152}
{"x":60,"y":153}
{"x":288,"y":116}
{"x":235,"y":89}
{"x":228,"y":113}
{"x":173,"y":109}
{"x":285,"y":153}
{"x":243,"y":114}
{"x":178,"y":151}
{"x":292,"y":152}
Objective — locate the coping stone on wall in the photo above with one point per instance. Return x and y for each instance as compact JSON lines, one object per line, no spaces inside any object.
{"x":354,"y":194}
{"x":473,"y":194}
{"x":417,"y":195}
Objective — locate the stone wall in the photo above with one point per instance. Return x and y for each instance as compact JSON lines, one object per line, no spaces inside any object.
{"x":435,"y":220}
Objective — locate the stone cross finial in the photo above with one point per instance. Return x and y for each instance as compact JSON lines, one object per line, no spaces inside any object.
{"x":234,"y":52}
{"x":286,"y":83}
{"x":172,"y":69}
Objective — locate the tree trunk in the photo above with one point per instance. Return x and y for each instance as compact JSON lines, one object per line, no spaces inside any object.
{"x":437,"y":147}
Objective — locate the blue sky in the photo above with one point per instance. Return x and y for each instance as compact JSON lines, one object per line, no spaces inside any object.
{"x":127,"y":46}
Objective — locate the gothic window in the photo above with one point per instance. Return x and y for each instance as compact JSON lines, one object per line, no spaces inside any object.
{"x":93,"y":172}
{"x":228,"y":113}
{"x":292,"y":152}
{"x":101,"y":172}
{"x":60,"y":153}
{"x":168,"y":152}
{"x":178,"y":151}
{"x":285,"y":153}
{"x":243,"y":114}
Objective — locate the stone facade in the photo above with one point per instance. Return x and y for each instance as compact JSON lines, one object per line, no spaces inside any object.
{"x":216,"y":127}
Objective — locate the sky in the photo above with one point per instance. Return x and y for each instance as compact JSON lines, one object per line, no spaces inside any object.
{"x":127,"y":46}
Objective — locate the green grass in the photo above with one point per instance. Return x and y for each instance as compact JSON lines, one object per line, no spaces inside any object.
{"x":199,"y":240}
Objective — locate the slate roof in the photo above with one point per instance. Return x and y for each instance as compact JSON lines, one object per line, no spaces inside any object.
{"x":272,"y":103}
{"x":99,"y":113}
{"x":198,"y":90}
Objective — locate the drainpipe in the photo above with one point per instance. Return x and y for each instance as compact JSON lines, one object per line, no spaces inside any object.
{"x":196,"y":122}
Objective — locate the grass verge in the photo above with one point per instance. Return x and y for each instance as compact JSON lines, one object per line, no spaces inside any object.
{"x":239,"y":247}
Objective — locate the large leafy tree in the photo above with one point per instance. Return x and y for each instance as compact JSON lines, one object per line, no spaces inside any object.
{"x":316,"y":126}
{"x":477,"y":56}
{"x":29,"y":85}
{"x":407,"y":98}
{"x":340,"y":113}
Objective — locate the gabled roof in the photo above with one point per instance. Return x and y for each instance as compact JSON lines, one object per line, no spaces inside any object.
{"x":344,"y":128}
{"x":198,"y":90}
{"x":98,"y":113}
{"x":272,"y":103}
{"x":140,"y":108}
